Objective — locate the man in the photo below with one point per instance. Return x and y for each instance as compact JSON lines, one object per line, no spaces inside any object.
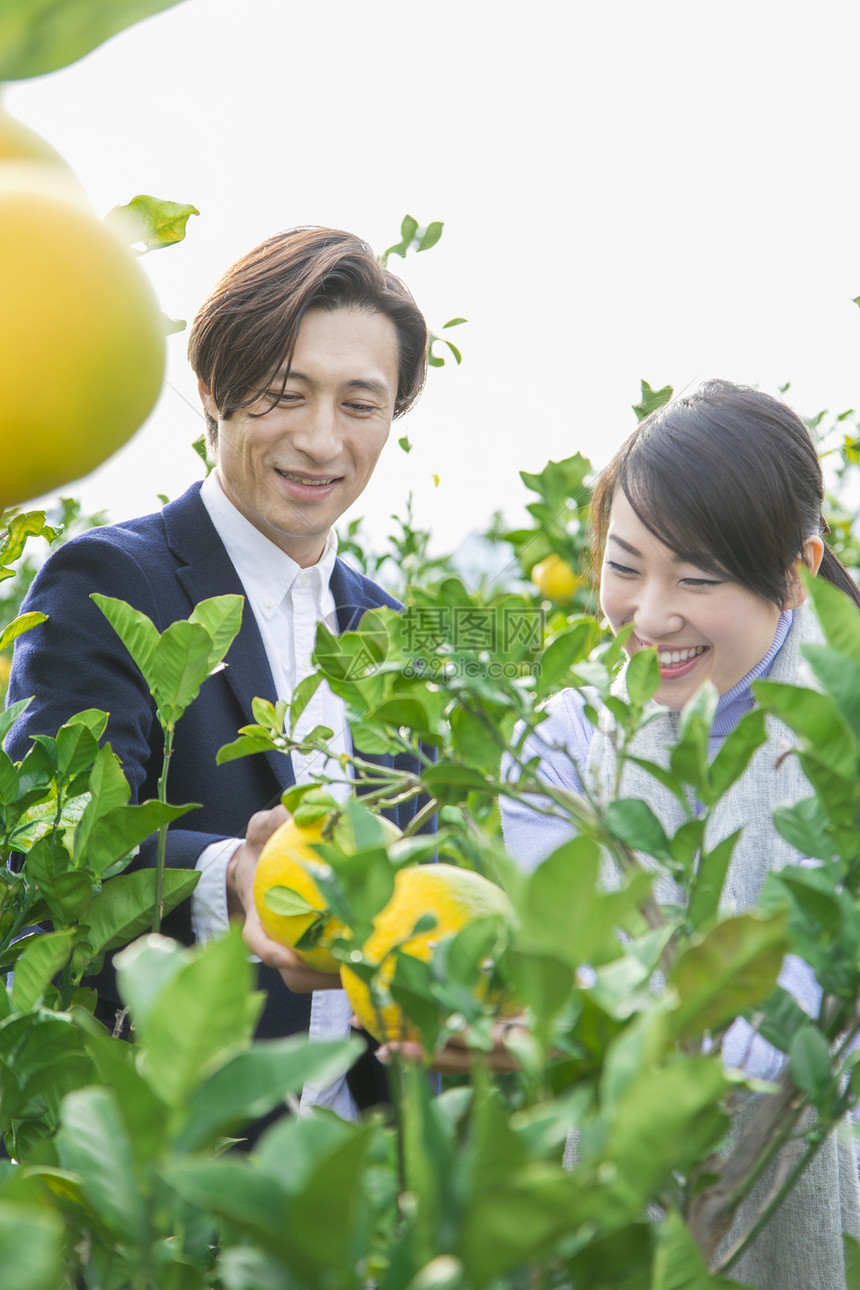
{"x":305,"y":352}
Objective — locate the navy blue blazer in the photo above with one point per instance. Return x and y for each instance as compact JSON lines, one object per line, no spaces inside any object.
{"x":163,"y":564}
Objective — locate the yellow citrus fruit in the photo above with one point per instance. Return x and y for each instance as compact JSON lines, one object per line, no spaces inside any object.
{"x":80,"y":333}
{"x":19,"y":143}
{"x":554,"y":578}
{"x":288,"y":865}
{"x":286,"y":876}
{"x":455,"y":897}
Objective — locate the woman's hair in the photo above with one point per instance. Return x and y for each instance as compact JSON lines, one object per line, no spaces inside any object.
{"x":246,"y":332}
{"x":729,"y":479}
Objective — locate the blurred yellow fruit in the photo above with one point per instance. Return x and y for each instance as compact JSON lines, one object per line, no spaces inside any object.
{"x":554,"y":578}
{"x":81,"y":332}
{"x":19,"y":143}
{"x":455,"y":897}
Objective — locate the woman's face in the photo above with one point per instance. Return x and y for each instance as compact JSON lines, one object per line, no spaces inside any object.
{"x":704,"y":628}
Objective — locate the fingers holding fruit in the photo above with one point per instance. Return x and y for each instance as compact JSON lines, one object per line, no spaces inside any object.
{"x":299,"y":977}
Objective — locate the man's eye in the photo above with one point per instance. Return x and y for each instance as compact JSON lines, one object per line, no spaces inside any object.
{"x":361,"y":407}
{"x":702,"y":582}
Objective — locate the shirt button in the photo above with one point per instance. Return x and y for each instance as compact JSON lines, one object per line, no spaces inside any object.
{"x":304,"y":581}
{"x":269,"y":604}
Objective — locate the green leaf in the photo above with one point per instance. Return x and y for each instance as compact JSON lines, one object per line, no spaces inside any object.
{"x":667,"y":1119}
{"x":782,"y":1018}
{"x":809,"y":1062}
{"x":302,"y":695}
{"x":115,"y":834}
{"x":837,"y":614}
{"x":710,"y":880}
{"x":11,"y":715}
{"x":404,"y":443}
{"x":804,"y":826}
{"x":562,"y":914}
{"x":634,"y":823}
{"x":454,"y":322}
{"x":39,"y":36}
{"x":643,"y":676}
{"x":737,"y":750}
{"x":137,"y":632}
{"x":202,"y":1011}
{"x":32,"y":1240}
{"x":222,"y":618}
{"x":123,"y":909}
{"x":651,"y":400}
{"x":288,"y":903}
{"x":816,"y":718}
{"x":678,"y":1262}
{"x":145,"y":969}
{"x":257,"y":1080}
{"x":151,"y":220}
{"x":41,"y":960}
{"x":92,"y":1142}
{"x":852,"y":1250}
{"x":734,"y":967}
{"x":431,"y":235}
{"x":180,"y":665}
{"x":18,"y":626}
{"x":408,"y":229}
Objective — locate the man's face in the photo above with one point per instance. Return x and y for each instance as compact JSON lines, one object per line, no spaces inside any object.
{"x":295,"y":469}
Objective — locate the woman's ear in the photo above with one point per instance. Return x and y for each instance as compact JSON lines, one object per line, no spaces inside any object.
{"x":810,"y":557}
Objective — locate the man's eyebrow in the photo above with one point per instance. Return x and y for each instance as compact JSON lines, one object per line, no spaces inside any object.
{"x":368,"y":383}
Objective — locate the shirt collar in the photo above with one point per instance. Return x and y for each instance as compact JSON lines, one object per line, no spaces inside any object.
{"x":732,"y":705}
{"x":266,"y":572}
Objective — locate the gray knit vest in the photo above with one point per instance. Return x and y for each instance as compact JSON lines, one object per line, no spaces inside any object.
{"x":801,"y":1247}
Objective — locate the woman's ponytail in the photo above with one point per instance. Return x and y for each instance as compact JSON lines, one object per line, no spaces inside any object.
{"x":833,"y":570}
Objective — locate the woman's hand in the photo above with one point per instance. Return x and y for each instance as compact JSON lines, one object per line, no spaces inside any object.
{"x":456,"y":1057}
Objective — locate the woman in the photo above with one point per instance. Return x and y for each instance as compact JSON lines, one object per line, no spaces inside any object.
{"x":703,"y":520}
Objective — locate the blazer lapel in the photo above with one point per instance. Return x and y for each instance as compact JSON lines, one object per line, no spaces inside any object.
{"x":204,"y":569}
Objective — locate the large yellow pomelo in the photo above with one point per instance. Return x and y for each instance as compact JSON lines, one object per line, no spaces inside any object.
{"x":80,"y":333}
{"x":286,"y":877}
{"x":288,"y":865}
{"x":455,"y":897}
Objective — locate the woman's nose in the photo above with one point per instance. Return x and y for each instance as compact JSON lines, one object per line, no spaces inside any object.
{"x":655,"y":615}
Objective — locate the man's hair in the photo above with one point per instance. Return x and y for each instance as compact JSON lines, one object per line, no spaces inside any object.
{"x":246,"y":332}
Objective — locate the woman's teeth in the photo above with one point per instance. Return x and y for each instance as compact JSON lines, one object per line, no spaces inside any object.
{"x":672,"y":657}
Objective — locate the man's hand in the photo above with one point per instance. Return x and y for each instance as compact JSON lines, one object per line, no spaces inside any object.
{"x":240,"y":904}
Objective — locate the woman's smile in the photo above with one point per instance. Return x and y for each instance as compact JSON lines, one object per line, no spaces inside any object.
{"x":704,"y":627}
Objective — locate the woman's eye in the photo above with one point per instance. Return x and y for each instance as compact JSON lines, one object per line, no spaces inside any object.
{"x":619,"y":568}
{"x":702,"y":582}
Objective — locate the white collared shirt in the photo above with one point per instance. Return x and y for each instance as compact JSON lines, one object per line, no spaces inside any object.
{"x":287,"y":602}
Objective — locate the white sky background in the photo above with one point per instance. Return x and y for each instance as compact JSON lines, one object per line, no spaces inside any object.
{"x":664,"y":190}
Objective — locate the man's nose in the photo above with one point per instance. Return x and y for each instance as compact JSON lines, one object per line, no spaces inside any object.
{"x":318,"y":436}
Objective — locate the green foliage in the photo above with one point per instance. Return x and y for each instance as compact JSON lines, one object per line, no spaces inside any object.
{"x":126,"y":1178}
{"x":152,"y":221}
{"x":38,"y":36}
